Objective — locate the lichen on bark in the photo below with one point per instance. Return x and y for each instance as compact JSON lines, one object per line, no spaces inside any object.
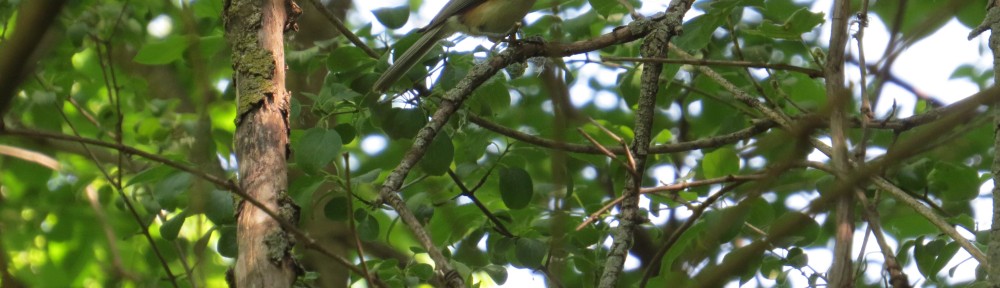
{"x":255,"y":67}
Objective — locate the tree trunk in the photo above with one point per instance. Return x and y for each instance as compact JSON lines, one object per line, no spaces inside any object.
{"x":255,"y":30}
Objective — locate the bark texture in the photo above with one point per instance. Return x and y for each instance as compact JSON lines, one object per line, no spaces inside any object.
{"x":992,"y":22}
{"x":255,"y":31}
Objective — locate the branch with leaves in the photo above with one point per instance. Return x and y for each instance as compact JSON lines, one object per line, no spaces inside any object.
{"x":307,"y":241}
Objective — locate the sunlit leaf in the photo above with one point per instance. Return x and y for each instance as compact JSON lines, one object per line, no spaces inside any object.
{"x":719,"y":163}
{"x":158,"y":53}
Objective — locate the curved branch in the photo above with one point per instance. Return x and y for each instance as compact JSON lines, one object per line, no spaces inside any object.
{"x":812,"y":73}
{"x":711,"y":142}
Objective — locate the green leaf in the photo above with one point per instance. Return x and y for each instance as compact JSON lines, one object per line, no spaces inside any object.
{"x":825,"y":184}
{"x":797,"y":258}
{"x":605,"y":7}
{"x":719,"y":163}
{"x":497,"y":272}
{"x":964,"y":71}
{"x":954,"y":183}
{"x":154,"y":174}
{"x":446,"y":230}
{"x":723,"y":6}
{"x":663,"y":137}
{"x":403,"y":123}
{"x":336,"y":209}
{"x":368,"y":177}
{"x":801,"y":230}
{"x":761,"y":213}
{"x":932,"y":256}
{"x":492,"y":97}
{"x":629,"y":86}
{"x":368,"y":227}
{"x":423,"y":271}
{"x":348,"y":58}
{"x":801,"y":21}
{"x":964,"y":220}
{"x":806,"y":92}
{"x":302,"y":190}
{"x":724,"y":224}
{"x":913,"y":176}
{"x":392,"y":17}
{"x":439,"y":155}
{"x":207,"y":9}
{"x":170,"y":192}
{"x":162,"y":52}
{"x":316,"y":148}
{"x":752,"y":261}
{"x":906,"y":223}
{"x":698,"y":31}
{"x":771,"y":267}
{"x":516,"y":188}
{"x":337,"y":92}
{"x":530,"y":252}
{"x":227,"y":246}
{"x":347,"y":132}
{"x":220,"y":209}
{"x":172,"y":227}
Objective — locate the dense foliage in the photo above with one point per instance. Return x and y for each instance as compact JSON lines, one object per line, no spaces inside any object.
{"x":78,"y":207}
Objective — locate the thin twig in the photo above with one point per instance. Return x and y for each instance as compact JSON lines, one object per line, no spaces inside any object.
{"x":475,"y":200}
{"x":30,"y":156}
{"x":117,"y":186}
{"x":350,"y":219}
{"x":671,"y":188}
{"x":738,"y":52}
{"x":896,"y":275}
{"x":867,"y":113}
{"x":712,"y":142}
{"x":624,"y":146}
{"x":813,"y":73}
{"x":339,"y":25}
{"x":913,"y":203}
{"x":598,"y":145}
{"x":695,"y":215}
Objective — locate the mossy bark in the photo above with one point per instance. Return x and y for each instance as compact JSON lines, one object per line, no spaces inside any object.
{"x":255,"y":30}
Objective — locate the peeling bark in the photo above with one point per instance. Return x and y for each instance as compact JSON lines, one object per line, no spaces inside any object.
{"x":255,"y":29}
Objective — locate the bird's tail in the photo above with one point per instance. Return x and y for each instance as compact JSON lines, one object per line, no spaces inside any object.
{"x":410,"y":58}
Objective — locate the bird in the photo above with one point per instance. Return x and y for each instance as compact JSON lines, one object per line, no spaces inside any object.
{"x":491,"y":18}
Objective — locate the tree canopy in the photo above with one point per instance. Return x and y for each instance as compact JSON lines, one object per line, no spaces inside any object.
{"x":711,"y":142}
